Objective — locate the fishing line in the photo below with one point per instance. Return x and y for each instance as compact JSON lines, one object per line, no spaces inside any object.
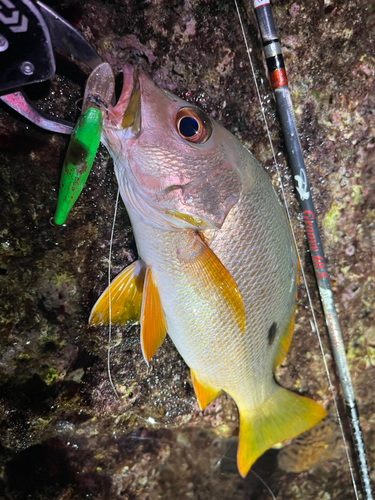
{"x":109,"y":298}
{"x":224,"y":455}
{"x":264,"y":484}
{"x":298,"y":253}
{"x":218,"y":463}
{"x":149,"y":420}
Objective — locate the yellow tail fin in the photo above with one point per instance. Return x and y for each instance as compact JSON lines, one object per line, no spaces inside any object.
{"x":283,"y":416}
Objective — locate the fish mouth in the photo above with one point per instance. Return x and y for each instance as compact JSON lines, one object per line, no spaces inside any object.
{"x":127,"y":112}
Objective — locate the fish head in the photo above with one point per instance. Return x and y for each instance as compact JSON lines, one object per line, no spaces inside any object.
{"x":176,"y":167}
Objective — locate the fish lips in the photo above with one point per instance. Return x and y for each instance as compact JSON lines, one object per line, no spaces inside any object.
{"x":127,"y":112}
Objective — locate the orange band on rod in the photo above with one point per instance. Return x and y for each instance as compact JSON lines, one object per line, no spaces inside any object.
{"x":278,"y":78}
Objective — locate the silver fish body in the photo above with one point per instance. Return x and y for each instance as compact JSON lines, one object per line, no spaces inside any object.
{"x":213,"y":233}
{"x":255,"y":246}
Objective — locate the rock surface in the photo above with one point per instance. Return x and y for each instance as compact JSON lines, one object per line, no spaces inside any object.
{"x":64,"y":435}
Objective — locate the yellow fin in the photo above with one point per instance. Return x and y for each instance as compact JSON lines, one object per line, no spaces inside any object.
{"x":204,"y":393}
{"x":126,"y":298}
{"x":284,"y":345}
{"x":212,"y":277}
{"x":283,"y":416}
{"x":298,"y":272}
{"x":297,"y":257}
{"x":153,"y":325}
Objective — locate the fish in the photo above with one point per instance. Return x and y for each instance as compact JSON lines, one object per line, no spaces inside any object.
{"x":217,"y":267}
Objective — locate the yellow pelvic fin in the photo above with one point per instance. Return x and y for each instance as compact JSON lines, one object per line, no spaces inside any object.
{"x":126,"y":298}
{"x":153,"y":325}
{"x":211,"y":278}
{"x":285,"y":342}
{"x":283,"y":416}
{"x":204,"y":393}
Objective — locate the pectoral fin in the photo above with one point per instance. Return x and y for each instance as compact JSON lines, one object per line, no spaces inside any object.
{"x":283,"y":416}
{"x":122,"y":299}
{"x":204,"y":393}
{"x":211,"y":278}
{"x":153,"y":325}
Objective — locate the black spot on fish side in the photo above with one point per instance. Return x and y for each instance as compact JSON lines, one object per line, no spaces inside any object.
{"x":272,"y":333}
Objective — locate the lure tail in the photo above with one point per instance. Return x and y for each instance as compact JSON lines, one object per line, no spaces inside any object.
{"x":283,"y":416}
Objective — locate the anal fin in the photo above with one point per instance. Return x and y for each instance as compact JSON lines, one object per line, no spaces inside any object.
{"x":122,"y":300}
{"x":283,"y":416}
{"x":204,"y":393}
{"x":153,"y":325}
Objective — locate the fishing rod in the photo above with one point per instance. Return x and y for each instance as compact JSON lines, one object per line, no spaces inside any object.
{"x":279,"y":83}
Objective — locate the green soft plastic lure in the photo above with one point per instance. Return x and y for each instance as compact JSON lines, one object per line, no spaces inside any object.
{"x":83,"y":145}
{"x":85,"y":139}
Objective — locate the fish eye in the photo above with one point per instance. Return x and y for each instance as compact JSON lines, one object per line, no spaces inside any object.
{"x":193,"y":125}
{"x":188,"y":126}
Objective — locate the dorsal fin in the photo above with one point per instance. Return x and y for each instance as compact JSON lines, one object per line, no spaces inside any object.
{"x":153,"y":325}
{"x":204,"y":393}
{"x":285,"y":341}
{"x":211,"y":278}
{"x":286,"y":338}
{"x":126,"y":298}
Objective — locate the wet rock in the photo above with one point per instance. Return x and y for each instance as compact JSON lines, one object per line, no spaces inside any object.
{"x":60,"y":420}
